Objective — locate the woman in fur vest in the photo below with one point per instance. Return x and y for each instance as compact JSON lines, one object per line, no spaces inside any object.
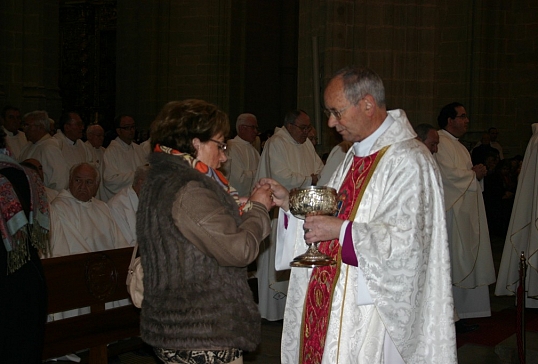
{"x":196,"y":237}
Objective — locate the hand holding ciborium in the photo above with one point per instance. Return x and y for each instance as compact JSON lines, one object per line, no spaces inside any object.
{"x":315,"y":200}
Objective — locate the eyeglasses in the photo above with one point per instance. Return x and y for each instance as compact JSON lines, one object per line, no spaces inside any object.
{"x":337,"y":113}
{"x":222,"y":146}
{"x":462,"y":116}
{"x":127,"y":127}
{"x":304,"y":128}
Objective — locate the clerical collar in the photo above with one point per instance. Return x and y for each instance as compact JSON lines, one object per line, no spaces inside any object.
{"x":362,"y":148}
{"x":450,"y":134}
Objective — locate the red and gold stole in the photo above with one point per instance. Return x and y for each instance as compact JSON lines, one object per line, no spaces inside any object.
{"x":318,"y":300}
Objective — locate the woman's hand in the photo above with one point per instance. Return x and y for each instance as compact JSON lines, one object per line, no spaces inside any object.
{"x":263,"y":195}
{"x":280,"y":193}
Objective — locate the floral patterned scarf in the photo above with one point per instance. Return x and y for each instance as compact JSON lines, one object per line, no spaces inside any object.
{"x":16,"y":229}
{"x":203,"y":168}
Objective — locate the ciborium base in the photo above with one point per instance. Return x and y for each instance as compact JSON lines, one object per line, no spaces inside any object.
{"x":312,"y":258}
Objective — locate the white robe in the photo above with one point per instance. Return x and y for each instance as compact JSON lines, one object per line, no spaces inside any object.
{"x":121,"y":162}
{"x":472,"y":261}
{"x":123,"y":207}
{"x":47,"y":152}
{"x":15,"y":143}
{"x":400,"y":240}
{"x":98,"y":155}
{"x":80,"y":227}
{"x":291,"y":164}
{"x":73,"y":152}
{"x":334,"y":159}
{"x":522,"y":233}
{"x":242,"y":165}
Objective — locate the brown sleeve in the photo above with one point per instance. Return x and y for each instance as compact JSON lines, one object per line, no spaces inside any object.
{"x":208,"y":225}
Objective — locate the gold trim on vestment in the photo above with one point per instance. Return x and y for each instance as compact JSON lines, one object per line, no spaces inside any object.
{"x":351,"y":218}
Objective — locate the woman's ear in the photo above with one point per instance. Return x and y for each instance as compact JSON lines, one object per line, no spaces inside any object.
{"x":196,"y":144}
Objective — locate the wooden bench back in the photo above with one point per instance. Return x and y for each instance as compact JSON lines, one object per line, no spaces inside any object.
{"x":89,"y":279}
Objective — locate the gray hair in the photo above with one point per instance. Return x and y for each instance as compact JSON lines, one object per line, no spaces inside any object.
{"x":41,"y":117}
{"x":92,"y":165}
{"x":359,"y":82}
{"x":422,"y":130}
{"x":292,"y":115}
{"x":242,"y":119}
{"x":90,"y":129}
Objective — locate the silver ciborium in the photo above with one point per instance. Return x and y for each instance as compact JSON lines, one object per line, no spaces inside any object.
{"x":315,"y":200}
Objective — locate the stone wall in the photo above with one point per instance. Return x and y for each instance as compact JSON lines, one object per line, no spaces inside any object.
{"x":29,"y":63}
{"x":430,"y":53}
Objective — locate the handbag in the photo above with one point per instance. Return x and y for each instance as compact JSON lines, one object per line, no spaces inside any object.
{"x":134,"y":281}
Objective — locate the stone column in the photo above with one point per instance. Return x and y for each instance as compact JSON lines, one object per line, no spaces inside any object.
{"x":29,"y":62}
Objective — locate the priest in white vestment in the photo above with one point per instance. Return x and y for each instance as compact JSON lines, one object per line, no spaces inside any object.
{"x":522,"y":233}
{"x":45,"y":149}
{"x":124,"y":205}
{"x":288,"y":158}
{"x":243,"y":158}
{"x":122,"y":157}
{"x":96,"y":136}
{"x":468,"y":236}
{"x":15,"y":139}
{"x":74,"y":151}
{"x":388,"y":300}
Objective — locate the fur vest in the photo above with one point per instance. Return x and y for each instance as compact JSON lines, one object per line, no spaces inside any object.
{"x":190,"y":301}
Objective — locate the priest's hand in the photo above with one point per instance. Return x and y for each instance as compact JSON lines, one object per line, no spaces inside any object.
{"x":280,"y":193}
{"x":321,"y":228}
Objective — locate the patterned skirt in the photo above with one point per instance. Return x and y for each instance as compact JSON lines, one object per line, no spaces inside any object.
{"x":199,"y":356}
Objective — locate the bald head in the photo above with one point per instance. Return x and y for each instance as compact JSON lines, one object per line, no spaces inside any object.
{"x":83,"y":181}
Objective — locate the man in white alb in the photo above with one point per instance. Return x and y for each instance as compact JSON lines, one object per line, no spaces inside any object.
{"x":15,"y":139}
{"x":96,"y":136}
{"x":289,"y":158}
{"x":243,"y":158}
{"x":69,"y":135}
{"x":45,"y":149}
{"x":388,"y":300}
{"x":80,"y":222}
{"x":468,"y":236}
{"x":124,"y":205}
{"x":522,"y":233}
{"x":122,"y":157}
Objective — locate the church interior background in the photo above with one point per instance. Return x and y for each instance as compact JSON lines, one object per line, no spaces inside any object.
{"x":105,"y":57}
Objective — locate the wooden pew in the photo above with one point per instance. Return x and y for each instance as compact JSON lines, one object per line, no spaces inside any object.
{"x":89,"y":279}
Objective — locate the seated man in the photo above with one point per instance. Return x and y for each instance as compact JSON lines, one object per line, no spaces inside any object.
{"x":124,"y":204}
{"x":80,"y":222}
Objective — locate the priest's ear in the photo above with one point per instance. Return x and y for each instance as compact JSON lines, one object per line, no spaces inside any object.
{"x":369,"y":103}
